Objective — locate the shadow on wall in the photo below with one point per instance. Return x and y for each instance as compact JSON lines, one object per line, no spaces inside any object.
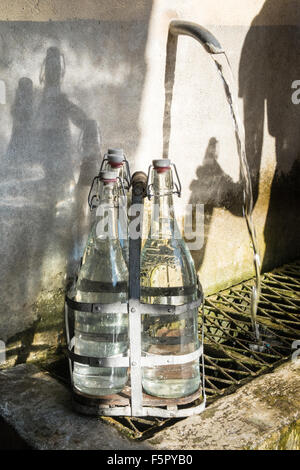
{"x":213,"y":188}
{"x":89,"y":72}
{"x":269,"y":64}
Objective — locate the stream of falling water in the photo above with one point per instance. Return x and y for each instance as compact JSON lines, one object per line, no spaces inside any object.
{"x":247,"y":190}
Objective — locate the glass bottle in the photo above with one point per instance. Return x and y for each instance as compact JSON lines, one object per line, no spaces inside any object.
{"x":103,"y":278}
{"x":115,"y":160}
{"x":168,"y":277}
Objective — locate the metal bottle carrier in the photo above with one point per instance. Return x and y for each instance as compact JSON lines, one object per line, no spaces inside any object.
{"x":132,"y":401}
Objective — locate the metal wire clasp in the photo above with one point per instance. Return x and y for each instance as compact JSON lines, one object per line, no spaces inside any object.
{"x":176,"y":186}
{"x":93,"y":199}
{"x":127,"y":176}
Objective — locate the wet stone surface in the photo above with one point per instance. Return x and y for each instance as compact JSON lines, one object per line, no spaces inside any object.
{"x":263,"y":414}
{"x":39,"y":409}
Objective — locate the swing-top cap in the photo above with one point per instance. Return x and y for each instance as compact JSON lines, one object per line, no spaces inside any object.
{"x":115,"y":156}
{"x":108,"y":176}
{"x":161,"y":164}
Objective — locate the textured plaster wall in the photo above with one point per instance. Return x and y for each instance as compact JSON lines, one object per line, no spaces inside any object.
{"x":115,"y":61}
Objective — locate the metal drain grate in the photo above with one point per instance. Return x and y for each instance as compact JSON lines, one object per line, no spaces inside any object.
{"x":229,"y":360}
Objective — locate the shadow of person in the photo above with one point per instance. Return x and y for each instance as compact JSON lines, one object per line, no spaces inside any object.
{"x":19,"y":209}
{"x":52,"y":133}
{"x":213,"y":188}
{"x":269,"y":64}
{"x":53,"y":147}
{"x":38,"y":193}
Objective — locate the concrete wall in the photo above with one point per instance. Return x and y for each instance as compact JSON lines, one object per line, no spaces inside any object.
{"x":115,"y":62}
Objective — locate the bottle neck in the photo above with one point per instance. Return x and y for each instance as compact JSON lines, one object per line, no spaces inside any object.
{"x":116,"y":166}
{"x":163,"y":223}
{"x":120,"y":169}
{"x":107,"y":212}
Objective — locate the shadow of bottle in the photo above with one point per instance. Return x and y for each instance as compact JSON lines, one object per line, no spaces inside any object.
{"x":214,"y":189}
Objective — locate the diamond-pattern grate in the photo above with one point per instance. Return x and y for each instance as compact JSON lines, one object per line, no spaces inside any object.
{"x":229,"y":359}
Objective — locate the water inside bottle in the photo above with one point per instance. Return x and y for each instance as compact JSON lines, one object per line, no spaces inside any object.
{"x":103,"y":278}
{"x":168,"y":277}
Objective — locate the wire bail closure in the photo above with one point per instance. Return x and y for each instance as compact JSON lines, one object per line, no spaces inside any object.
{"x":176,"y":185}
{"x":127,"y":176}
{"x":93,"y":199}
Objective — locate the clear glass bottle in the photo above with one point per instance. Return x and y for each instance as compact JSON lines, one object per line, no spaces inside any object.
{"x":115,"y":160}
{"x":168,"y":277}
{"x":103,"y":278}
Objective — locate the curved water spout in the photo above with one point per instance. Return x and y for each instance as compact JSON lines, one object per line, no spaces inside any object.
{"x":205,"y":37}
